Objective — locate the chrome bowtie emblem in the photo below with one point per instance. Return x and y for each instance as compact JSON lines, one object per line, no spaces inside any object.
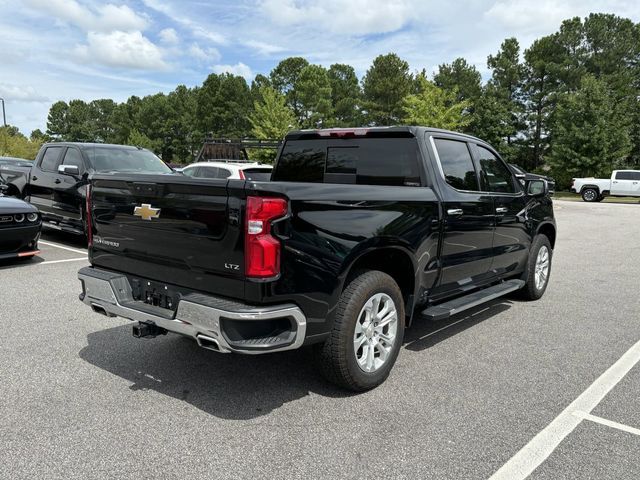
{"x":146,"y":211}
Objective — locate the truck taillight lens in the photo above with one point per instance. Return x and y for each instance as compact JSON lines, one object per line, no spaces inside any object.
{"x":262,"y":250}
{"x":88,"y":216}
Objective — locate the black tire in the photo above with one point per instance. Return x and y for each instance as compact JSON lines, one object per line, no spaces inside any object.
{"x":531,"y":291}
{"x":336,"y":357}
{"x":590,"y":195}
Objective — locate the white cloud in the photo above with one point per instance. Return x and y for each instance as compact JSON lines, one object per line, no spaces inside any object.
{"x":122,"y":49}
{"x":204,"y":54}
{"x":237,"y":69}
{"x":20,"y":93}
{"x":104,"y":18}
{"x":263,"y":48}
{"x":169,"y":36}
{"x":350,"y":17}
{"x":196,"y":29}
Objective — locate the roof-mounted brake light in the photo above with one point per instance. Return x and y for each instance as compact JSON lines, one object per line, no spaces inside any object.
{"x":343,"y":132}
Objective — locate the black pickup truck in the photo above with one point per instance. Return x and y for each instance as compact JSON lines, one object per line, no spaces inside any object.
{"x":359,"y":232}
{"x":56,"y":181}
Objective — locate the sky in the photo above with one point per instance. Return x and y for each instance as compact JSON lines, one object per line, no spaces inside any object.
{"x":54,"y":50}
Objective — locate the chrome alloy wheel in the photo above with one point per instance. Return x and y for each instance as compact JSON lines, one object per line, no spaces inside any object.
{"x":375,"y":332}
{"x":590,"y":195}
{"x":542,"y":267}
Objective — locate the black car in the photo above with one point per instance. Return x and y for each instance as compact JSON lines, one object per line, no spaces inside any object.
{"x":15,"y":162}
{"x":20,"y":226}
{"x":359,"y":232}
{"x":523,"y":176}
{"x":56,"y":182}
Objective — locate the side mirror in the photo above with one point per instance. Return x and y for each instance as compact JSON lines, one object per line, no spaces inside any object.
{"x":537,"y":188}
{"x":72,"y":170}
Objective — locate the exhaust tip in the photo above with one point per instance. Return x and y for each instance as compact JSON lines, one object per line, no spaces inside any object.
{"x":208,"y":343}
{"x":99,"y":309}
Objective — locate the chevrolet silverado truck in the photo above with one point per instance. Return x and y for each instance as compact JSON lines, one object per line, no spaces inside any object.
{"x":56,"y":181}
{"x":358,"y":233}
{"x":623,"y":183}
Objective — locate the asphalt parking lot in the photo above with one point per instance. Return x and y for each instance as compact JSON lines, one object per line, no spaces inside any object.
{"x":550,"y":387}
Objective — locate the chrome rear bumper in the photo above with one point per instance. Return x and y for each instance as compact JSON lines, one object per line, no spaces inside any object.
{"x":198,"y":316}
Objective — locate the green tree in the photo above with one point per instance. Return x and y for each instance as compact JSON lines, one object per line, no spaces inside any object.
{"x":505,"y":83}
{"x":591,"y":137}
{"x":15,"y":144}
{"x":284,"y":78}
{"x":58,"y":121}
{"x":461,"y":77}
{"x":541,"y":87}
{"x":435,"y":107}
{"x":385,"y":85}
{"x":345,"y":95}
{"x":138,"y":139}
{"x":314,"y":97}
{"x":271,"y":119}
{"x":223,"y":103}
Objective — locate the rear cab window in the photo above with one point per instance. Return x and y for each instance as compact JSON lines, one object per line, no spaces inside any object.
{"x":393,"y":161}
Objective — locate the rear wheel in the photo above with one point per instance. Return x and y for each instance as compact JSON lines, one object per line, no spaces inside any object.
{"x":367,"y":333}
{"x":590,"y":195}
{"x":538,"y":269}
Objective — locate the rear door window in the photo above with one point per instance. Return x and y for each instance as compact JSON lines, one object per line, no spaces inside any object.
{"x":51,"y":159}
{"x":494,"y":175}
{"x":457,"y":164}
{"x":363,"y":161}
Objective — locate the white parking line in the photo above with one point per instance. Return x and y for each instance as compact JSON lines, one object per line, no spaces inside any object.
{"x":63,"y":261}
{"x":63,"y":247}
{"x":608,"y":423}
{"x":523,"y":463}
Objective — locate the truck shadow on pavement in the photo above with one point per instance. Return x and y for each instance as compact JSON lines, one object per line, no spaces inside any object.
{"x":424,"y":333}
{"x":238,"y":387}
{"x":20,"y":262}
{"x":229,"y":386}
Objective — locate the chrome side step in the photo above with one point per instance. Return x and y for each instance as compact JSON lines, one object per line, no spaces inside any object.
{"x":452,"y":307}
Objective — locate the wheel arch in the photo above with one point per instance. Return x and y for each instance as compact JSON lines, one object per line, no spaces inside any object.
{"x":549,"y":230}
{"x":590,"y":186}
{"x":396,"y":262}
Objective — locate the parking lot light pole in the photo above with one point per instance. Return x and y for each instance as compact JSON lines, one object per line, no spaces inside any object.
{"x":4,"y":115}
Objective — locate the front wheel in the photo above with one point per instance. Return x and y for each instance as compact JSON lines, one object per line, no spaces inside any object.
{"x":590,"y":195}
{"x":538,"y":268}
{"x":367,"y":333}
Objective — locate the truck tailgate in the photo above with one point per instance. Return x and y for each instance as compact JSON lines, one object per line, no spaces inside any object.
{"x":171,"y":229}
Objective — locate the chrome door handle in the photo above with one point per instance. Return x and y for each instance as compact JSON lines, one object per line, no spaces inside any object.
{"x":502,"y":210}
{"x":455,"y":211}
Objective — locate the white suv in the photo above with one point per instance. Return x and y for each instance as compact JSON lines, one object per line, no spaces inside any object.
{"x":223,"y":169}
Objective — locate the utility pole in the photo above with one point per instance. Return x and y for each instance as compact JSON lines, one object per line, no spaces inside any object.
{"x":4,"y":115}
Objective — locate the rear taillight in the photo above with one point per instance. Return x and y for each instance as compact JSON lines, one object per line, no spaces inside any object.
{"x":262,"y":250}
{"x":241,"y":173}
{"x":88,"y":216}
